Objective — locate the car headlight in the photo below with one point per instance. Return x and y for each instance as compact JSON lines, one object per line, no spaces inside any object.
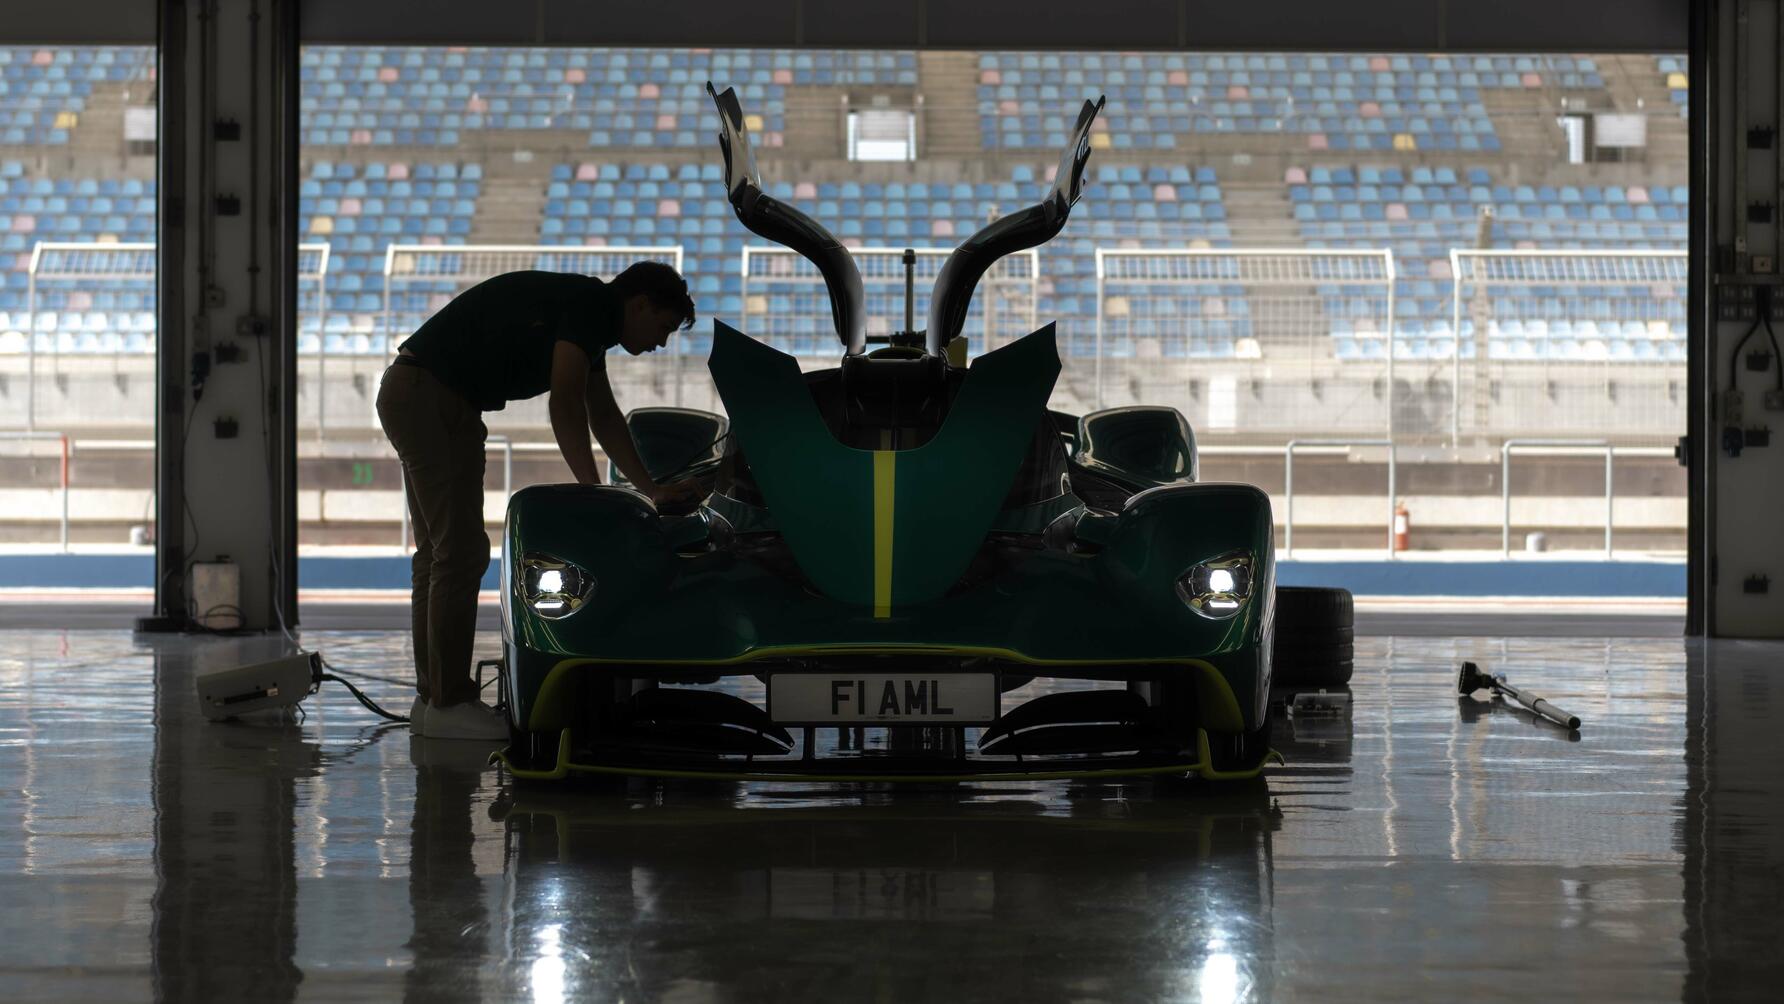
{"x":1218,"y":588}
{"x":553,"y":587}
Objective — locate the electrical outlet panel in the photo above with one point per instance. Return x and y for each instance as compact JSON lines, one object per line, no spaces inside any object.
{"x":1733,"y":403}
{"x":1734,"y":300}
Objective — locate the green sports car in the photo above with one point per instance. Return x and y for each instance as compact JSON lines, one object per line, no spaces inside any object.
{"x":905,"y":568}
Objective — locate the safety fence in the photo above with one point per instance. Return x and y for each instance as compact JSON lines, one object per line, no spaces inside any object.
{"x":1254,"y":346}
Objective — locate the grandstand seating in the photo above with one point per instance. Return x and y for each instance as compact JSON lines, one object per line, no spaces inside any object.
{"x":1678,"y":86}
{"x":635,"y":100}
{"x":1160,"y":101}
{"x":43,"y":91}
{"x":1423,"y":212}
{"x":643,"y":98}
{"x":359,"y":213}
{"x":69,"y":318}
{"x":644,"y":204}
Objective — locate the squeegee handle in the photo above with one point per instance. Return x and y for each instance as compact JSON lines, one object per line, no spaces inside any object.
{"x":1554,"y":714}
{"x":1537,"y":705}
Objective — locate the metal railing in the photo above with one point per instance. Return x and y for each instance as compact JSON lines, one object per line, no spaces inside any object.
{"x":507,"y":445}
{"x":67,"y":457}
{"x":1288,"y":484}
{"x":1558,"y":446}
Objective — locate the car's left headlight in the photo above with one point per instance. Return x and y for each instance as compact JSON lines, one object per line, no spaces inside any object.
{"x":553,"y":587}
{"x":1218,"y":588}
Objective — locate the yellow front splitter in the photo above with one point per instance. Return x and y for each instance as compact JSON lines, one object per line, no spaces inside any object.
{"x":1203,"y":767}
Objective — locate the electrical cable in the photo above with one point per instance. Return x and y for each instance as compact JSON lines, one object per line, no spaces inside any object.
{"x":1762,"y":314}
{"x":1734,"y":358}
{"x":370,"y":704}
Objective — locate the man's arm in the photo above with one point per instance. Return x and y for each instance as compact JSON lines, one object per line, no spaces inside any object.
{"x":608,"y":424}
{"x":569,"y":383}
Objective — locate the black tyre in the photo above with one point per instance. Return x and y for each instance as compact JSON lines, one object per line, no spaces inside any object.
{"x":1315,"y":639}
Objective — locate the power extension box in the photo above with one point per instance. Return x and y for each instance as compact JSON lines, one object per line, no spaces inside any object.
{"x":281,"y":683}
{"x":217,"y":594}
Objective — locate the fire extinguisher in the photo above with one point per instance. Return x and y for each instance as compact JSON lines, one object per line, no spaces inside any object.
{"x":1402,"y":526}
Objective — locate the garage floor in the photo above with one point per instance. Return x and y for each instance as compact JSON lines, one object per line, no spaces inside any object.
{"x":1415,"y":850}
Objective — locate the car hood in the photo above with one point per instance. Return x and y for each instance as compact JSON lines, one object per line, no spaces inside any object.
{"x":884,"y":528}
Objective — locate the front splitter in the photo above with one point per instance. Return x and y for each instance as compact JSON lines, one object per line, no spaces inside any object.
{"x":565,"y":767}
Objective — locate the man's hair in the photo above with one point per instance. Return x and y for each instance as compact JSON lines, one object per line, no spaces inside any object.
{"x":661,"y":284}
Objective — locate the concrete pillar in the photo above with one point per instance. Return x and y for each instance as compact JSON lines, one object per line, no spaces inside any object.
{"x":1737,"y":94}
{"x":226,"y":354}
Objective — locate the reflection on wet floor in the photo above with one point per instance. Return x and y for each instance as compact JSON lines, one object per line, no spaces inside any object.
{"x":1418,"y":847}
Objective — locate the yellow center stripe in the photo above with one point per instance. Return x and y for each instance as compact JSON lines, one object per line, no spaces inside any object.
{"x":883,"y":463}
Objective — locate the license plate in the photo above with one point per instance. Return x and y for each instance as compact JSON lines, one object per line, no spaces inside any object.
{"x":884,"y":699}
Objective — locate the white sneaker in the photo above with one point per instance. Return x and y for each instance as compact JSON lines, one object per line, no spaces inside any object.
{"x":470,"y":720}
{"x":417,"y":709}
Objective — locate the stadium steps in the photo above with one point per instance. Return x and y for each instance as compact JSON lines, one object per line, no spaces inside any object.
{"x":950,"y":85}
{"x":814,"y":118}
{"x":99,"y":135}
{"x":1260,"y":215}
{"x":509,"y":211}
{"x":1636,"y":85}
{"x":1525,"y":122}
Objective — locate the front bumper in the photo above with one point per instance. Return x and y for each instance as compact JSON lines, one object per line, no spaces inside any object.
{"x":1051,"y":721}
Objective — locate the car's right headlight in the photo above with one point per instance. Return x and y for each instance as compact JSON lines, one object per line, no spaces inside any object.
{"x":553,"y":587}
{"x":1218,"y":588}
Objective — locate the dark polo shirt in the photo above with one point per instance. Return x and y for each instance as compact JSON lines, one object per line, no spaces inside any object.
{"x":493,"y":343}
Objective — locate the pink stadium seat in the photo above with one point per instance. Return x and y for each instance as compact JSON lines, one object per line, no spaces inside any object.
{"x":668,"y":207}
{"x":1369,"y":110}
{"x":783,"y":76}
{"x":1164,"y":193}
{"x":649,"y":91}
{"x":1295,"y":176}
{"x":1637,"y":194}
{"x":1396,"y":211}
{"x":360,"y":137}
{"x":397,"y":171}
{"x":1380,"y":64}
{"x":1532,"y":80}
{"x":665,"y":123}
{"x":388,"y":74}
{"x":1238,"y":92}
{"x":1178,"y":78}
{"x":575,"y":76}
{"x":24,"y":224}
{"x":1440,"y":268}
{"x":1009,"y":107}
{"x":990,"y":76}
{"x":350,"y":207}
{"x":805,"y":190}
{"x":43,"y":57}
{"x":941,"y":228}
{"x":1316,"y":141}
{"x":588,"y":172}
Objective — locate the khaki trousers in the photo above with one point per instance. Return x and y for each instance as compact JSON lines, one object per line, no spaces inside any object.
{"x":439,"y":436}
